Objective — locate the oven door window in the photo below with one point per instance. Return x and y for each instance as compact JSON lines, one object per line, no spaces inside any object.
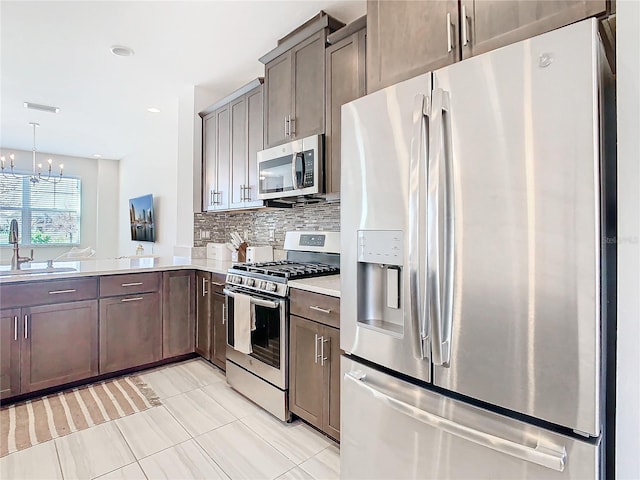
{"x":276,"y":175}
{"x":265,"y":339}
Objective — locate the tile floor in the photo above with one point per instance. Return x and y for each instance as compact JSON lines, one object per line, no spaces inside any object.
{"x":203,"y":429}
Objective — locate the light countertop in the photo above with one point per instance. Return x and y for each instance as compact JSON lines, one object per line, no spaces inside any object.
{"x":86,"y":268}
{"x":329,"y":285}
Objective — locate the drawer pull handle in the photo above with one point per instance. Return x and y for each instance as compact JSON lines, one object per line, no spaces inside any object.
{"x":320,"y":309}
{"x":132,"y":284}
{"x":26,"y":326}
{"x":134,"y":299}
{"x":15,"y":328}
{"x":56,"y":292}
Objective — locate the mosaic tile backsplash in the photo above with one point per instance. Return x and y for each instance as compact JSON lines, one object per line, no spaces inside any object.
{"x":258,"y":223}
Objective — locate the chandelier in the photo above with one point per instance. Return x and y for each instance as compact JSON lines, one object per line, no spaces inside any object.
{"x":36,"y":173}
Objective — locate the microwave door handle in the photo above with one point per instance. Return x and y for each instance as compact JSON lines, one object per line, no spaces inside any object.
{"x":294,"y":179}
{"x":303,"y":171}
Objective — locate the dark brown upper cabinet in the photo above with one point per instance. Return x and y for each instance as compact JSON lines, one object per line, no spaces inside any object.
{"x":294,"y":99}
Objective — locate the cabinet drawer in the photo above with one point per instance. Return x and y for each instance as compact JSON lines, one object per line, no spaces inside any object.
{"x":217,"y":282}
{"x":112,"y":285}
{"x":317,"y":307}
{"x":54,"y":291}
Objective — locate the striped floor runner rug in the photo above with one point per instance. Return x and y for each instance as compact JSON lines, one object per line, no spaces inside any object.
{"x":35,"y":421}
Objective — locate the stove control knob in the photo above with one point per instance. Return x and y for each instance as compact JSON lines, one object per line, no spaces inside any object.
{"x":270,"y":287}
{"x":260,"y":284}
{"x":250,"y":282}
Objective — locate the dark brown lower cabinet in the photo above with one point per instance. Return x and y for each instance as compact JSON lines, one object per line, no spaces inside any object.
{"x":219,"y":351}
{"x":59,"y":345}
{"x":314,"y":366}
{"x":203,"y":315}
{"x":130,"y":331}
{"x":10,"y":338}
{"x":178,"y":313}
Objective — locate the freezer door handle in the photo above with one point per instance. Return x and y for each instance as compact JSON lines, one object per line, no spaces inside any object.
{"x":415,"y":313}
{"x":440,"y":221}
{"x":540,"y":455}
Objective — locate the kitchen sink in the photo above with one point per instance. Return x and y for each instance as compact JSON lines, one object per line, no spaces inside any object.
{"x":29,"y":271}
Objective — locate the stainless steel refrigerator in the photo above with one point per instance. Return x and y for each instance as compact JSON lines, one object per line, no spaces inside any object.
{"x":473,"y":313}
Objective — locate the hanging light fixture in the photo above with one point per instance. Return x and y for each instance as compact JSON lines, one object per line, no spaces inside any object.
{"x":36,"y":174}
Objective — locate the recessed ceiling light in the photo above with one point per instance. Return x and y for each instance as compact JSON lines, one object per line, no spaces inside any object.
{"x":153,"y":110}
{"x":42,"y":108}
{"x":97,"y":155}
{"x":121,"y":50}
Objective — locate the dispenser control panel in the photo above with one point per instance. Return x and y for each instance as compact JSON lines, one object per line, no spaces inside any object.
{"x":381,"y":246}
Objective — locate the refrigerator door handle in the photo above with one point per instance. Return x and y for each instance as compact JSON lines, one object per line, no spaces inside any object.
{"x":440,"y":221}
{"x":416,"y":310}
{"x":540,"y":455}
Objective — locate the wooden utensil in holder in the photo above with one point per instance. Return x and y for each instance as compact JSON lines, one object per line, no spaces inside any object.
{"x":242,"y":252}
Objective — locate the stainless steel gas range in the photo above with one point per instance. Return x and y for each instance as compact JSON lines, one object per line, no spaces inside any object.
{"x":257,"y":319}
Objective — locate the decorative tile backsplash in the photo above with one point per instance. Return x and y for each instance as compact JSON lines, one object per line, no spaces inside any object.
{"x":259,"y":223}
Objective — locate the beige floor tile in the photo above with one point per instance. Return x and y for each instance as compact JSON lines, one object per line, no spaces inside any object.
{"x":201,"y":372}
{"x":150,"y":431}
{"x":325,"y":465}
{"x":295,"y":474}
{"x":39,"y":462}
{"x":93,"y":452}
{"x":231,"y":400}
{"x":184,"y":461}
{"x":243,"y":454}
{"x":297,"y":441}
{"x":168,"y":382}
{"x":198,"y":412}
{"x":128,"y":472}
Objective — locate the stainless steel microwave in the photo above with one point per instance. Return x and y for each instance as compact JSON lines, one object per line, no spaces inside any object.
{"x":292,"y":169}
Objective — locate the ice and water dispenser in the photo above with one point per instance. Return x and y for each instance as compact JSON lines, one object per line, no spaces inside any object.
{"x":380,"y":264}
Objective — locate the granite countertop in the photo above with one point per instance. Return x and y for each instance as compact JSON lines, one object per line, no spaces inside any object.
{"x":86,"y":268}
{"x":329,"y":285}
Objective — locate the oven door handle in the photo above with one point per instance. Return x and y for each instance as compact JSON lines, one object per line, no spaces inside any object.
{"x":255,"y":300}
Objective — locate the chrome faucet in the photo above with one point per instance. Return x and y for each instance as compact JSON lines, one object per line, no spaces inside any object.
{"x":16,"y":260}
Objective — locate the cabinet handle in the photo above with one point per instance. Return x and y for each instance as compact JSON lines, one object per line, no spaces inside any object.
{"x":320,"y":309}
{"x":292,"y":126}
{"x":322,"y":357}
{"x":449,"y":33}
{"x":56,"y":292}
{"x":15,"y":328}
{"x":210,"y":197}
{"x":26,"y":326}
{"x":248,"y":195}
{"x":134,"y":299}
{"x":132,"y":284}
{"x":286,"y":125}
{"x":465,"y":26}
{"x":204,"y":287}
{"x":315,"y":357}
{"x":224,"y":314}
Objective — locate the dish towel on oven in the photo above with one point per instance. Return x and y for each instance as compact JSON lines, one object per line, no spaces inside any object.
{"x":242,"y":323}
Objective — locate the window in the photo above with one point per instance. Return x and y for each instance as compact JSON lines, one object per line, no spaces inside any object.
{"x":47,"y":213}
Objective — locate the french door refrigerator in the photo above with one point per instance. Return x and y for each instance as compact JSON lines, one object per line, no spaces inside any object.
{"x":473,"y":213}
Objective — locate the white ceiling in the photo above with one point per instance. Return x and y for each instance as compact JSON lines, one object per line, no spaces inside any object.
{"x":57,"y":53}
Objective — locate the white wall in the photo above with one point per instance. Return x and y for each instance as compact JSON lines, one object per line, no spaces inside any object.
{"x":102,"y":235}
{"x":628,"y":361}
{"x":153,"y":168}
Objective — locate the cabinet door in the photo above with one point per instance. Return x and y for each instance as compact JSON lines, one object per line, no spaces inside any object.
{"x":209,"y":161}
{"x":219,"y":355}
{"x":345,"y":82}
{"x":490,"y":24}
{"x":60,"y":344}
{"x":10,"y":336}
{"x":130,"y":331}
{"x":331,"y":403}
{"x":223,"y":154}
{"x":307,"y":117}
{"x":306,"y":373}
{"x":407,"y":38}
{"x":255,"y":142}
{"x":203,"y":315}
{"x":178,"y":313}
{"x":277,"y":99}
{"x":238,"y":177}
